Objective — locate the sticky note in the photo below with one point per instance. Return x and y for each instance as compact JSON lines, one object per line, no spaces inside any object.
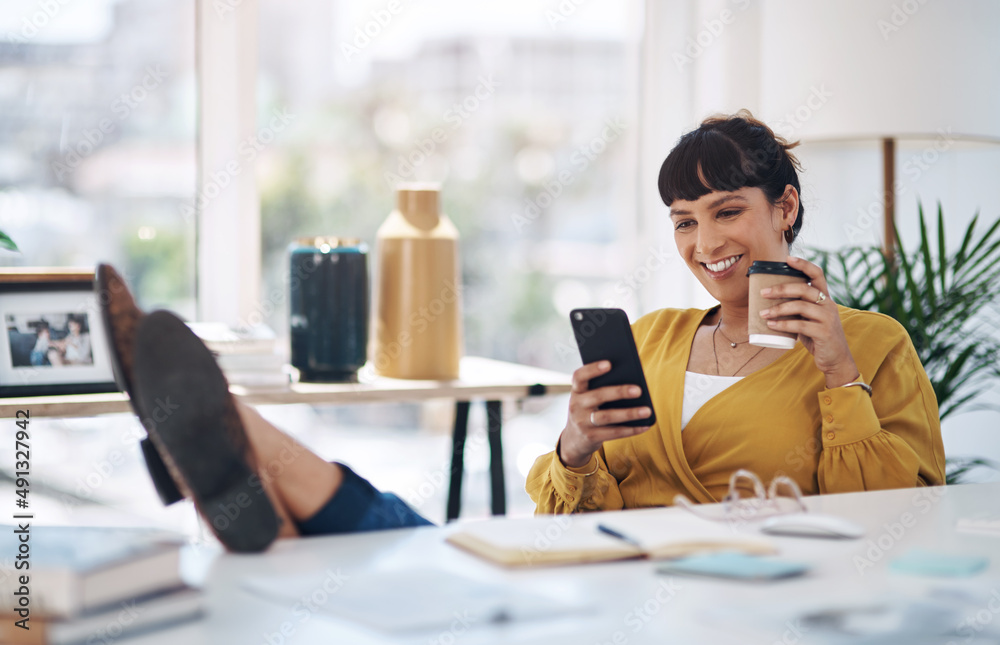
{"x":930,"y":563}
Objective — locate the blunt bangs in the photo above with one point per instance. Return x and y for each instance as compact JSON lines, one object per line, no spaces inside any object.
{"x":704,"y":161}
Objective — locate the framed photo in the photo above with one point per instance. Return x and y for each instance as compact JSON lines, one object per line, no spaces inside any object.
{"x":56,"y":342}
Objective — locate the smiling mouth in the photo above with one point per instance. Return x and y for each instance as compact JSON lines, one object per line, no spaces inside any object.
{"x":722,"y":265}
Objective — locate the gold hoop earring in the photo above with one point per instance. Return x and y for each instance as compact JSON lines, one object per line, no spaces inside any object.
{"x":789,"y":235}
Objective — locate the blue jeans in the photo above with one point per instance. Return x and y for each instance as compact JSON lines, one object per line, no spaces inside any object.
{"x":358,"y":506}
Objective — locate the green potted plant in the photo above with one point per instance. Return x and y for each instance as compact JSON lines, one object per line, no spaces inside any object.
{"x":946,"y":301}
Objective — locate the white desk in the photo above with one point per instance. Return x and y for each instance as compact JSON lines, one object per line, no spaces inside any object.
{"x":624,"y":594}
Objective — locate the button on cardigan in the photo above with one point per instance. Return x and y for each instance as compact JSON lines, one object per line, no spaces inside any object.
{"x":781,"y":419}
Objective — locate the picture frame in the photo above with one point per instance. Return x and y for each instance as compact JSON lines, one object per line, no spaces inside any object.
{"x":55,"y":341}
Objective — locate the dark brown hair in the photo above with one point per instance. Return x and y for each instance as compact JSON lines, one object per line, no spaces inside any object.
{"x":729,"y":152}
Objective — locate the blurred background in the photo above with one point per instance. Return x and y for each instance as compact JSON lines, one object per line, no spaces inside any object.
{"x":556,"y":116}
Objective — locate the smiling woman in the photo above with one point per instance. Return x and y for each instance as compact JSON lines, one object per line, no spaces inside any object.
{"x":849,"y":408}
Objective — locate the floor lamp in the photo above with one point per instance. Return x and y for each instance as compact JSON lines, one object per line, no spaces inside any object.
{"x":881,"y":70}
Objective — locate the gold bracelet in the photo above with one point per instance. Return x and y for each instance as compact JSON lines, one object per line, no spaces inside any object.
{"x":864,"y":386}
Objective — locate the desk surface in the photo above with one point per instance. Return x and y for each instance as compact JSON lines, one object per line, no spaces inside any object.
{"x":630,"y":602}
{"x":479,"y":378}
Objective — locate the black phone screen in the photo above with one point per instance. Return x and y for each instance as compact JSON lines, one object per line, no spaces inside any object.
{"x":606,"y":335}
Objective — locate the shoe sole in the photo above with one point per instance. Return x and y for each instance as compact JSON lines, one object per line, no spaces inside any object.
{"x":166,"y":487}
{"x":200,"y":436}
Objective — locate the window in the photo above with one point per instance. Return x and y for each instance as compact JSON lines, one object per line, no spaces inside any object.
{"x":535,"y":107}
{"x":97,"y":139}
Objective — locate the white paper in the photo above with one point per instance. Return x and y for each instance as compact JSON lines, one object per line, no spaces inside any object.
{"x":415,"y":600}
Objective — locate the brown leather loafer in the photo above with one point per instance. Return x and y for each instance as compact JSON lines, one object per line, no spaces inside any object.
{"x":199,"y":432}
{"x":121,"y":319}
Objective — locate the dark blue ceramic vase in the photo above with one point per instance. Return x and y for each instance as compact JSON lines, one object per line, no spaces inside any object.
{"x":328,"y":282}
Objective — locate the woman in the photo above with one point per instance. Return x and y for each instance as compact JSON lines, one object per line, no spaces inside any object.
{"x":76,"y":344}
{"x":850,"y":408}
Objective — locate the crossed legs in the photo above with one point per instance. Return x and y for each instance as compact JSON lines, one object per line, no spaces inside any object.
{"x":250,"y":481}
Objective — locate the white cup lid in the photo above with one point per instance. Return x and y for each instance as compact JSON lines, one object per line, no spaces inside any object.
{"x":772,"y":341}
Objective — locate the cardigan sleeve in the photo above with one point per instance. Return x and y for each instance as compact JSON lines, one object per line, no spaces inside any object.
{"x":891,"y":439}
{"x":556,"y":488}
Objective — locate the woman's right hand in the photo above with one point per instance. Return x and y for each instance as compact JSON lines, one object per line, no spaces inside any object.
{"x":588,"y":427}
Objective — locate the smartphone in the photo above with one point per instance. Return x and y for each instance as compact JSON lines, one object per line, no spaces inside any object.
{"x":606,"y":335}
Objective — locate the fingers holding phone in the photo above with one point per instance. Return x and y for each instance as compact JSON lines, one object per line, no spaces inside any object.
{"x":589,"y":426}
{"x":610,"y":399}
{"x":592,"y":402}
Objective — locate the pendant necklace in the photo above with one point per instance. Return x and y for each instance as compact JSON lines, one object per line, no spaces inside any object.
{"x":733,"y":345}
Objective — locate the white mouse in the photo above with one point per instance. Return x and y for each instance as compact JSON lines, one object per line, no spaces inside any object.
{"x":812,"y":525}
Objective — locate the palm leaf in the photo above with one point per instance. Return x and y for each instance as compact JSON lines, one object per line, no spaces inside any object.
{"x":928,"y":263}
{"x":948,"y":302}
{"x":942,"y":249}
{"x":961,"y":254}
{"x":959,"y":467}
{"x":7,"y":243}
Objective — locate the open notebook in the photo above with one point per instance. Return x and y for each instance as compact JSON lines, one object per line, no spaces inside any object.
{"x":572,"y":539}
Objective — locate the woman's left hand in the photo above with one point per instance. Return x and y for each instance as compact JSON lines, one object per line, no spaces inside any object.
{"x":819,"y":329}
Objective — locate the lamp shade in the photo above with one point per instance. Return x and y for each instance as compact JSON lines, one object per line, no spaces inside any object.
{"x":870,"y":69}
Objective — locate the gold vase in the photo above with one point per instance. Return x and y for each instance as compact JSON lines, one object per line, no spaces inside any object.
{"x":418,"y":294}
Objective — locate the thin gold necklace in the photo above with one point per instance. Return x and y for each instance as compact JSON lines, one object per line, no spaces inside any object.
{"x":731,"y":343}
{"x":716,"y":353}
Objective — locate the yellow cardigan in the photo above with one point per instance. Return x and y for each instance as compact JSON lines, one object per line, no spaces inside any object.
{"x":780,"y":419}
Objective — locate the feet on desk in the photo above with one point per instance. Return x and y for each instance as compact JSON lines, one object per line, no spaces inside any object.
{"x":251,"y":482}
{"x":121,"y":317}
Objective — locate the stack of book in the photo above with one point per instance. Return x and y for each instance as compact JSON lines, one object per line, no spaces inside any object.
{"x":250,"y":358}
{"x":90,"y":585}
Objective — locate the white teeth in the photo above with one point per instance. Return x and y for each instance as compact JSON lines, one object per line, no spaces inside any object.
{"x":725,"y":264}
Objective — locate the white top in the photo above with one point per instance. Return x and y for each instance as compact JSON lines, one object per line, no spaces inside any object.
{"x":698,"y":389}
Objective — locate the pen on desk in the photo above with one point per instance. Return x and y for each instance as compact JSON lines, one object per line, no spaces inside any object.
{"x":621,"y":536}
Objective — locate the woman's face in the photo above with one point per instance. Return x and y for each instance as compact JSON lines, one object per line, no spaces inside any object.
{"x":722,"y":233}
{"x":74,"y":327}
